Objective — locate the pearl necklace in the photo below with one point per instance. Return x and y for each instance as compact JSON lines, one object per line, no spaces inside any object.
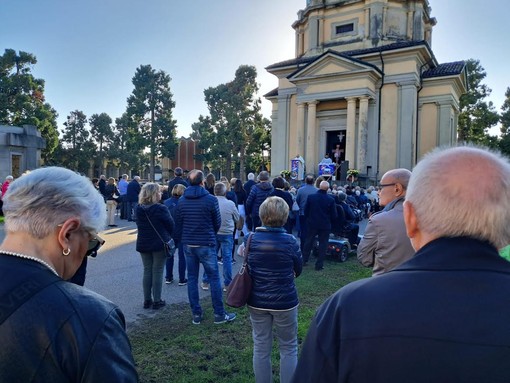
{"x":24,"y":256}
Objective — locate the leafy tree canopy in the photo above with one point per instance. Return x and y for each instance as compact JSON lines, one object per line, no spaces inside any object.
{"x":477,"y":115}
{"x":227,"y":135}
{"x":22,"y":98}
{"x":150,"y":108}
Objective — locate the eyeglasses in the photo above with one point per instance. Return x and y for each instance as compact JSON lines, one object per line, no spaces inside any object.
{"x":94,"y":244}
{"x":384,"y":185}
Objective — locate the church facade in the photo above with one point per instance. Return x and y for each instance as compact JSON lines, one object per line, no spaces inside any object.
{"x":364,"y":86}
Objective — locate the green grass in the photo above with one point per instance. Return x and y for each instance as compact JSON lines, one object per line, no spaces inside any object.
{"x":169,"y":348}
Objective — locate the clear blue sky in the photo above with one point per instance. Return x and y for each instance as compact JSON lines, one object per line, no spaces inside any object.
{"x":88,"y":51}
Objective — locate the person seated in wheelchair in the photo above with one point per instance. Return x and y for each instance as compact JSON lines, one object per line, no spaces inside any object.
{"x":345,"y":225}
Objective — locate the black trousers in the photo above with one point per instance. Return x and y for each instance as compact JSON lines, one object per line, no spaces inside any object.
{"x":323,"y":245}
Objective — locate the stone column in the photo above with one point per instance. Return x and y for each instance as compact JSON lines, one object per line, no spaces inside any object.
{"x":362,"y":134}
{"x":350,"y":139}
{"x":367,"y":23}
{"x":311,"y":160}
{"x":300,"y":129}
{"x":407,"y":124}
{"x":410,"y":23}
{"x":279,"y":136}
{"x":384,"y":12}
{"x":321,"y":32}
{"x":445,"y":124}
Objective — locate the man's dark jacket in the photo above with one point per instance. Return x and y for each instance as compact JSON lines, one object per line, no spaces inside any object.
{"x":258,"y":194}
{"x":197,"y":217}
{"x":320,"y":210}
{"x":176,"y":181}
{"x":442,"y":316}
{"x":248,"y":185}
{"x":133,"y":190}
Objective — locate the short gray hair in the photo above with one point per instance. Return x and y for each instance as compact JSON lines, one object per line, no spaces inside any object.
{"x":274,"y":212}
{"x":220,"y":189}
{"x":445,"y":203}
{"x":37,"y":202}
{"x":263,"y":176}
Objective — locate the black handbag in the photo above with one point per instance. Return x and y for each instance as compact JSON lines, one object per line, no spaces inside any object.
{"x":239,"y":290}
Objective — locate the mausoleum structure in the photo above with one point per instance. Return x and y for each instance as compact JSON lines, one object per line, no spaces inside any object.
{"x":365,"y":78}
{"x":20,"y":149}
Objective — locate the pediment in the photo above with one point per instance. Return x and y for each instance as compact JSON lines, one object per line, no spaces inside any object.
{"x":331,"y":64}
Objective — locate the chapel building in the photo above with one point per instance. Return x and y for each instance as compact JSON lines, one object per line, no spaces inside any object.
{"x":364,"y":85}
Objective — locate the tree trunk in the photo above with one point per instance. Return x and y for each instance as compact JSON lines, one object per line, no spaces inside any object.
{"x":153,"y":149}
{"x":242,"y":158}
{"x":228,"y":170}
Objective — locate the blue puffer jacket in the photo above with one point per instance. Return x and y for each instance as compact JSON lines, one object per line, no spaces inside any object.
{"x":274,"y":260}
{"x":197,"y":217}
{"x":148,"y":240}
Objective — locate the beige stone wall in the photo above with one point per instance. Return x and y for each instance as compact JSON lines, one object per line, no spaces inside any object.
{"x":331,"y":105}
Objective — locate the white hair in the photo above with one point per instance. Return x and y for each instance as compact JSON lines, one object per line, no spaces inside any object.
{"x":251,"y":176}
{"x":445,"y":203}
{"x":38,"y":202}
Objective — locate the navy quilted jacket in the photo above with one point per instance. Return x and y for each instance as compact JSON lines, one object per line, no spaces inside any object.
{"x":148,"y":240}
{"x":258,"y":194}
{"x":197,"y":217}
{"x":274,"y":260}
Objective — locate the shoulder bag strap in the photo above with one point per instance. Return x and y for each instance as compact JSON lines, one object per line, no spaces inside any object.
{"x":246,"y":249}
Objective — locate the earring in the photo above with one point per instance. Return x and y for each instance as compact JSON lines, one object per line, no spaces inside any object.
{"x":66,"y":253}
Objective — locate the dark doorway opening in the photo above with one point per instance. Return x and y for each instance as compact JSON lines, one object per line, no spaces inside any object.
{"x":335,"y":146}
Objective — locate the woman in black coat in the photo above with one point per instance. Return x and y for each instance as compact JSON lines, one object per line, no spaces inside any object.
{"x":155,"y":226}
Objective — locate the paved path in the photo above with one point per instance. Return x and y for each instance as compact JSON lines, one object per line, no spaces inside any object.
{"x":116,"y":272}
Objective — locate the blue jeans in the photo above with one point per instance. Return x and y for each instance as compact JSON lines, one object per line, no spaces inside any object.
{"x":182,"y":265}
{"x":226,"y":243}
{"x":153,"y":265}
{"x":205,"y":255}
{"x":286,"y":323}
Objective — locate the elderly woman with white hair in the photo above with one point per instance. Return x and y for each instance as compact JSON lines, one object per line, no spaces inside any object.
{"x":52,"y":330}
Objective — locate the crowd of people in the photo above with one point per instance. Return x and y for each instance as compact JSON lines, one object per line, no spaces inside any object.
{"x":434,"y":309}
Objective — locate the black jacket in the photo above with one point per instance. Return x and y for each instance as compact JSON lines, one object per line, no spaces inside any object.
{"x":442,"y":316}
{"x":176,"y":181}
{"x":133,"y":190}
{"x":274,"y":260}
{"x":320,"y":210}
{"x":63,"y":333}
